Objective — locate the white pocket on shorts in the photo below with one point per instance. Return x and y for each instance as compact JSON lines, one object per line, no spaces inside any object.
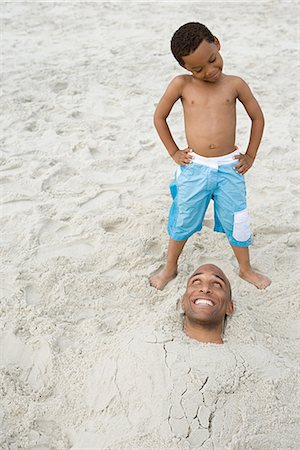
{"x":241,"y":226}
{"x":177,"y":173}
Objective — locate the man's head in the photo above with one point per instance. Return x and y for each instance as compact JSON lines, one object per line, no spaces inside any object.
{"x":207,"y":300}
{"x":197,"y":50}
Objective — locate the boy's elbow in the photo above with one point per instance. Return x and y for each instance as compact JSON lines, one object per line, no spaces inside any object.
{"x":262,"y":120}
{"x":158,"y":119}
{"x":155,"y":120}
{"x":259,"y":118}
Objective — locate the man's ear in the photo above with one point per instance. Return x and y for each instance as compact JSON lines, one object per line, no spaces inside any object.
{"x":229,"y":308}
{"x":217,"y":42}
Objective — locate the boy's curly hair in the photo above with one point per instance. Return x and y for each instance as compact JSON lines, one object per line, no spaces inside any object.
{"x":188,"y":38}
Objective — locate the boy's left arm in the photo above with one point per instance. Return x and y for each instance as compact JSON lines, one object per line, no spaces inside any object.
{"x":252,"y":107}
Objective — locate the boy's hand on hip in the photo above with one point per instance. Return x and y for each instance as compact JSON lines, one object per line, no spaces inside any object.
{"x":244,"y":164}
{"x":182,"y":157}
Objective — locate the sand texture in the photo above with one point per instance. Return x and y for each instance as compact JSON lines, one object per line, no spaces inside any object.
{"x":92,"y":357}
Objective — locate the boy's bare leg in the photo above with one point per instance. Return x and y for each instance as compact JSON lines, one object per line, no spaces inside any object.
{"x":246,"y":271}
{"x":169,"y":271}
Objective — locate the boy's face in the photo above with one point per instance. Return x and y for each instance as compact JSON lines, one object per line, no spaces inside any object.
{"x":205,"y":62}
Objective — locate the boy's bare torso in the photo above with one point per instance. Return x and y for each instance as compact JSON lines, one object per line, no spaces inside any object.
{"x":210,"y":115}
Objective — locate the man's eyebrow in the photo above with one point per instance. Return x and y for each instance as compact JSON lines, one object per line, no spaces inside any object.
{"x":197,"y":67}
{"x":214,"y":274}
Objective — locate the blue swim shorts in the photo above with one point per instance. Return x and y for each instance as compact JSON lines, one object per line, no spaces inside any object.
{"x":193,"y":188}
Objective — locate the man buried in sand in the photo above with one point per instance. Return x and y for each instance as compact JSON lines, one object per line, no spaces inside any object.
{"x":210,"y":167}
{"x":206,"y":303}
{"x":171,"y":385}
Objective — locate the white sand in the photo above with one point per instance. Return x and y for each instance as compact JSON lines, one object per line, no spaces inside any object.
{"x":92,"y":357}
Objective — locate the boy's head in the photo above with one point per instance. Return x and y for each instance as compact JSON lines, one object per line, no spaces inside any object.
{"x":188,"y":38}
{"x":197,"y":50}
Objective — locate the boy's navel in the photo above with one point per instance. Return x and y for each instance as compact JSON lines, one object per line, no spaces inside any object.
{"x":212,"y":146}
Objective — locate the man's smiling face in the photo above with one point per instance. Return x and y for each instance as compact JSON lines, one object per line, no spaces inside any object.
{"x":208,"y":296}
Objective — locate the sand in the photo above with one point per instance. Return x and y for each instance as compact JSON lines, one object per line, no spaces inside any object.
{"x":92,"y":357}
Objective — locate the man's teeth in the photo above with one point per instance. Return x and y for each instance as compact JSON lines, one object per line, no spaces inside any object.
{"x":203,"y":302}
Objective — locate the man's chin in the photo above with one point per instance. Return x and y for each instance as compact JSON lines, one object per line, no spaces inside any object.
{"x":204,"y":320}
{"x":201,"y":312}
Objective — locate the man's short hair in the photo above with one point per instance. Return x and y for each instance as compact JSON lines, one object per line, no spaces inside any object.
{"x":188,"y":38}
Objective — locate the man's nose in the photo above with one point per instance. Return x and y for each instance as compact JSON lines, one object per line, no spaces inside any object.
{"x":205,"y":288}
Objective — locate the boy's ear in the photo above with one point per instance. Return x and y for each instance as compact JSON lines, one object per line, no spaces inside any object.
{"x":217,"y":42}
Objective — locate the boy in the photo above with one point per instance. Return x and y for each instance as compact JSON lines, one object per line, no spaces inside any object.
{"x":208,"y":167}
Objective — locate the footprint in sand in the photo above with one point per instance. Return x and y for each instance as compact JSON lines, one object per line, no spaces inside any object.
{"x":76,"y":115}
{"x":53,"y":181}
{"x":94,"y":152}
{"x":146,"y":143}
{"x":31,"y":126}
{"x":110,"y":137}
{"x":7,"y":285}
{"x":54,"y":231}
{"x":15,"y":207}
{"x":27,"y":99}
{"x":35,"y":360}
{"x":10,"y":165}
{"x":59,"y":86}
{"x":117,"y":224}
{"x":101,"y":201}
{"x":154,"y":248}
{"x":75,"y":249}
{"x":32,"y":295}
{"x":60,"y":239}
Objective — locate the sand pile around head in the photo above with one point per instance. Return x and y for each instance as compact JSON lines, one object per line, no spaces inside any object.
{"x":91,"y":355}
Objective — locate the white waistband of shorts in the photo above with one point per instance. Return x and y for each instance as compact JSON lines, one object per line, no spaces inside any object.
{"x":215,"y":161}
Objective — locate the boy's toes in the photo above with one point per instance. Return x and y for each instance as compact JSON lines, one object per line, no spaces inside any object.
{"x":161,"y":279}
{"x":155,"y":282}
{"x":264,"y":282}
{"x":259,"y":280}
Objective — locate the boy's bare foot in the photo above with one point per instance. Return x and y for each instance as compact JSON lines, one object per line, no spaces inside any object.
{"x":260,"y":281}
{"x":160,"y":279}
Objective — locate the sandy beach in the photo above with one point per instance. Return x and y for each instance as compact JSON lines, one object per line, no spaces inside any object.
{"x":93,"y":357}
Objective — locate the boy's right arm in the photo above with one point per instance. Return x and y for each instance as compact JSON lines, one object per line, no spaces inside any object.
{"x":162,"y":111}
